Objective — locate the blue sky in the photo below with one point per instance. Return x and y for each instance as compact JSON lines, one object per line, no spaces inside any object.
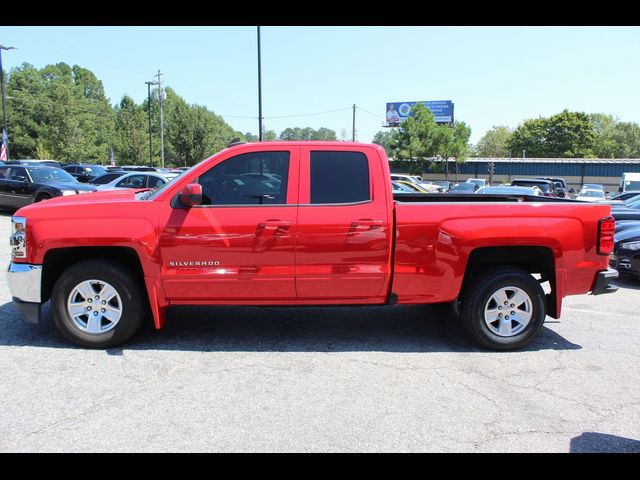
{"x":494,"y":75}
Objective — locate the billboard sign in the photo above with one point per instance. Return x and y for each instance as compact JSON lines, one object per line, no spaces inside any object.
{"x":398,"y":112}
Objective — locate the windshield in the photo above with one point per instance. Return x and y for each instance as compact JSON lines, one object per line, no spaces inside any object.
{"x":631,"y":185}
{"x":464,"y":186}
{"x":96,"y":170}
{"x":542,"y":186}
{"x":593,"y":193}
{"x":50,"y":174}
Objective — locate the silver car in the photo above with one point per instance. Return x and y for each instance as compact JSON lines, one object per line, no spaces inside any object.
{"x":138,"y":180}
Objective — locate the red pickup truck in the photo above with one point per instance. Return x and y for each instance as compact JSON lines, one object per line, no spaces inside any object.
{"x":303,"y":223}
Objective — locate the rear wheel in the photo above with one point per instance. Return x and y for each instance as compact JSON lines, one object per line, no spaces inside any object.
{"x":98,"y":304}
{"x":503,"y":308}
{"x":42,"y":196}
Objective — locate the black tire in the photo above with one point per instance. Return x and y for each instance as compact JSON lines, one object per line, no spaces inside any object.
{"x":134,"y":305}
{"x":477,"y":296}
{"x":43,"y":196}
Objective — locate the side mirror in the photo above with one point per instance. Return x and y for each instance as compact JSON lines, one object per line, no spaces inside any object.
{"x":191,"y":195}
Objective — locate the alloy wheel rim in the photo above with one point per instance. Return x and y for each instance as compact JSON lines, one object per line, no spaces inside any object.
{"x":94,"y":306}
{"x":508,"y":311}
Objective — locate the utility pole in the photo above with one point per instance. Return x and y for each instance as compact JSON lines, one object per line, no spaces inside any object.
{"x":353,"y":137}
{"x":160,"y":98}
{"x":259,"y":90}
{"x":149,"y":108}
{"x":4,"y":104}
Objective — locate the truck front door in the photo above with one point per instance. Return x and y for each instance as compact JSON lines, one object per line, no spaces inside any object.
{"x":239,"y":245}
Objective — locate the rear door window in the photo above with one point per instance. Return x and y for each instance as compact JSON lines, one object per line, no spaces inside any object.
{"x":339,"y":177}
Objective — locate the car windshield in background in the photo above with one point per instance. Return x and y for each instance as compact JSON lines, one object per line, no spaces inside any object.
{"x":542,"y":186}
{"x":464,"y":186}
{"x":50,"y":174}
{"x":592,"y":193}
{"x":592,"y":186}
{"x":632,"y":185}
{"x":96,"y":170}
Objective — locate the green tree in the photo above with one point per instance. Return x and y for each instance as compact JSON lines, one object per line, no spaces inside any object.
{"x":566,"y":134}
{"x":494,"y":143}
{"x":131,"y":133}
{"x":307,"y":133}
{"x":417,"y":140}
{"x":383,"y":139}
{"x":626,"y":137}
{"x":60,"y":109}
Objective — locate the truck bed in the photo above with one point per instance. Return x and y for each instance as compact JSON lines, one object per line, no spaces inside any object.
{"x":452,"y":197}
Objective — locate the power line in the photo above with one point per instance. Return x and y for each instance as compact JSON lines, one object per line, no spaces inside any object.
{"x":309,"y":114}
{"x":370,"y":113}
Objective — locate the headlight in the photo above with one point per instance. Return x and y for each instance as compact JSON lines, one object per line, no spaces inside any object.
{"x":68,"y":192}
{"x":18,"y":238}
{"x":631,"y":245}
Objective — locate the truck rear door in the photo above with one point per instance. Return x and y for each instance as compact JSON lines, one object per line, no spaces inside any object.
{"x":344,"y":225}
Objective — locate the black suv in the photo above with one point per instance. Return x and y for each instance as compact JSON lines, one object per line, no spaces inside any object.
{"x":85,"y":172}
{"x":547,"y":186}
{"x":561,"y":186}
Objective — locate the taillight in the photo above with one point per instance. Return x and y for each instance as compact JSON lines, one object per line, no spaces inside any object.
{"x":606,"y":230}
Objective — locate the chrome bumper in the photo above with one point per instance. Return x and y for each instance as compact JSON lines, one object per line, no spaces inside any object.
{"x":25,"y":282}
{"x":25,"y":287}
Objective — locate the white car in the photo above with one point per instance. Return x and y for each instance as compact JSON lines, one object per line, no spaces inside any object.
{"x":138,"y":180}
{"x":591,"y":195}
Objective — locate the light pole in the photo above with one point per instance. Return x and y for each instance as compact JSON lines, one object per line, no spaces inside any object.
{"x":149,"y":108}
{"x":4,"y":102}
{"x":160,"y":99}
{"x":259,"y":90}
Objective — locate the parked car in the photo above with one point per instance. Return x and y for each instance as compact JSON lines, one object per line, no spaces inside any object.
{"x":137,"y":180}
{"x":509,"y":190}
{"x":330,"y":234}
{"x":416,"y":180}
{"x":589,"y":195}
{"x":413,"y":187}
{"x":480,"y":182}
{"x":85,"y":172}
{"x":547,"y":186}
{"x":629,"y":181}
{"x":625,"y":196}
{"x":139,"y":168}
{"x":561,"y":186}
{"x":630,"y":210}
{"x":112,"y":168}
{"x":464,"y":188}
{"x":626,"y":251}
{"x":622,"y":225}
{"x":446,"y":185}
{"x":33,"y":161}
{"x":21,"y":185}
{"x":592,"y":186}
{"x":398,"y":187}
{"x":107,"y":177}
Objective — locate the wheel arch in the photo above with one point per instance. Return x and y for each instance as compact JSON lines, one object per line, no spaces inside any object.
{"x":532,"y":259}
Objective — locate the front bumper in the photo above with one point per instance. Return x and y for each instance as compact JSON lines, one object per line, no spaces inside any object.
{"x":602,"y":282}
{"x":25,"y":285}
{"x":625,"y":264}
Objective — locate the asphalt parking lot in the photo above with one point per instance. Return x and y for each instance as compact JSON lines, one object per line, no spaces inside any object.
{"x":401,"y":378}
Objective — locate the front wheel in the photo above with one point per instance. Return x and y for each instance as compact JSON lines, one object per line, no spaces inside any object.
{"x":97,"y":304}
{"x":503,"y":309}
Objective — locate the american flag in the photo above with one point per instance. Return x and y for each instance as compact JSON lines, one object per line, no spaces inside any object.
{"x":5,"y":141}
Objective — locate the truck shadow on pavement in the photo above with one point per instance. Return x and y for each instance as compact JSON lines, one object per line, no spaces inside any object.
{"x":594,"y":442}
{"x":422,"y":328}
